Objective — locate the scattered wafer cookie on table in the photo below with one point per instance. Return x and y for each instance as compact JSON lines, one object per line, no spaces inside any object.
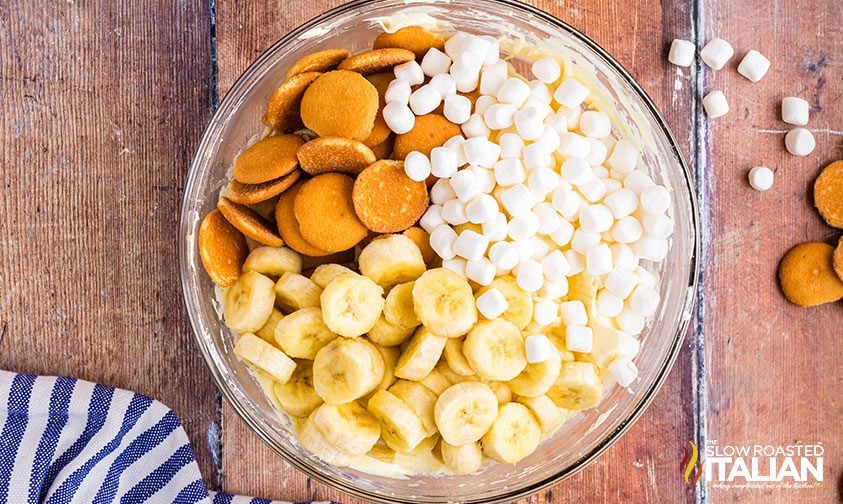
{"x":828,"y":194}
{"x":807,"y":275}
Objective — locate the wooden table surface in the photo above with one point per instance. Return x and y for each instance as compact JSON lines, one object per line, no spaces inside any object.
{"x":103,"y":104}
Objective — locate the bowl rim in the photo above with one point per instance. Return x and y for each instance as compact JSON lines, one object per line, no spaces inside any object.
{"x":648,"y":395}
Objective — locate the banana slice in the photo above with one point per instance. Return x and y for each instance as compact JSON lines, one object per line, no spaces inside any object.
{"x":426,"y":446}
{"x":315,"y":443}
{"x":465,"y":411}
{"x":462,"y":459}
{"x":386,"y":334}
{"x":440,"y":378}
{"x":557,"y":337}
{"x":273,"y":261}
{"x":294,"y":292}
{"x":420,"y":399}
{"x":391,"y":260}
{"x":514,"y":434}
{"x":383,"y":453}
{"x":349,"y":427}
{"x":297,"y":396}
{"x":398,"y":308}
{"x":444,"y":302}
{"x":610,"y":344}
{"x":248,"y":303}
{"x":351,"y":304}
{"x":420,"y":356}
{"x":578,"y":386}
{"x":520,"y":311}
{"x":267,"y":331}
{"x":303,"y":333}
{"x":401,"y":428}
{"x":324,"y":273}
{"x":495,"y":350}
{"x":265,"y":357}
{"x":537,"y":378}
{"x":549,"y":415}
{"x":346,"y":369}
{"x":455,"y":357}
{"x":390,"y":357}
{"x":502,"y":392}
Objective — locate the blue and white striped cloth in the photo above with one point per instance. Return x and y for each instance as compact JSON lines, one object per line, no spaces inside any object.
{"x":65,"y":440}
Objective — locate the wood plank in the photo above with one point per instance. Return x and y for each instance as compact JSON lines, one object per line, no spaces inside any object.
{"x":775,"y":378}
{"x":641,"y":467}
{"x":102,"y":106}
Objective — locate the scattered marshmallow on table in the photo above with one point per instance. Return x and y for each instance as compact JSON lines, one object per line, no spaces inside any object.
{"x":800,"y":142}
{"x":538,"y":348}
{"x":754,"y":66}
{"x":681,"y":53}
{"x":795,"y":111}
{"x":761,"y":178}
{"x":716,"y":53}
{"x":715,"y":104}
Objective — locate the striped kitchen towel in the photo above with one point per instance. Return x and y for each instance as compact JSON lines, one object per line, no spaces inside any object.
{"x":70,"y":441}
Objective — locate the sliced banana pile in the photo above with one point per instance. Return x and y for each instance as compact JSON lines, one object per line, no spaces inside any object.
{"x":395,"y":361}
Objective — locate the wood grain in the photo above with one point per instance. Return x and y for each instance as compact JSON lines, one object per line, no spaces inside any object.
{"x":772,"y":365}
{"x":641,"y":467}
{"x":102,"y":105}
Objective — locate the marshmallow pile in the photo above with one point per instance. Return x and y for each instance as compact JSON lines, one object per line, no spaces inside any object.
{"x":536,"y":187}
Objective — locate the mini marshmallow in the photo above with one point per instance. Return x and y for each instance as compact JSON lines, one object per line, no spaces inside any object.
{"x":716,"y":53}
{"x":578,"y":338}
{"x":799,"y":142}
{"x":539,"y":349}
{"x":493,"y":51}
{"x":620,"y":281}
{"x":541,"y":248}
{"x":661,"y":226}
{"x":715,"y":104}
{"x":681,"y":53}
{"x":645,"y":277}
{"x":562,"y":236}
{"x":637,"y":181}
{"x":481,"y":209}
{"x":456,"y":264}
{"x":442,"y":240}
{"x":511,"y":145}
{"x":555,"y":266}
{"x":465,"y":185}
{"x":754,"y":66}
{"x":566,"y":202}
{"x":760,"y":178}
{"x":455,"y":143}
{"x":558,"y":122}
{"x":399,"y":117}
{"x":481,"y":151}
{"x":471,"y":245}
{"x":623,"y":256}
{"x":529,"y":122}
{"x":432,"y":218}
{"x":549,"y":220}
{"x":600,"y":171}
{"x":621,"y":203}
{"x":644,"y":300}
{"x":571,"y":115}
{"x":597,"y":153}
{"x":598,"y":260}
{"x":629,"y":322}
{"x":542,"y":181}
{"x":572,"y":145}
{"x":576,"y":171}
{"x":655,"y":199}
{"x":608,"y":304}
{"x":625,"y":156}
{"x":485,"y":177}
{"x":524,"y":248}
{"x":499,"y":115}
{"x":795,"y":111}
{"x":596,"y":218}
{"x":514,"y":91}
{"x":398,"y":91}
{"x":503,"y":255}
{"x":623,"y":371}
{"x":627,"y":230}
{"x":492,"y":304}
{"x":499,"y":68}
{"x":417,"y":166}
{"x":481,"y":271}
{"x":595,"y":124}
{"x":517,"y":200}
{"x":529,"y":275}
{"x":612,"y":185}
{"x":495,"y":228}
{"x":510,"y":172}
{"x":453,"y":212}
{"x":523,"y":227}
{"x":478,"y":46}
{"x":573,"y":313}
{"x":539,"y":93}
{"x":454,"y":44}
{"x":490,"y":82}
{"x":457,"y":108}
{"x":443,"y":163}
{"x":554,"y":290}
{"x":435,"y":62}
{"x":536,"y":155}
{"x":570,"y":93}
{"x":545,"y":312}
{"x":593,"y":190}
{"x":546,"y":70}
{"x":650,"y":248}
{"x":466,"y":67}
{"x":549,"y":139}
{"x":444,"y":84}
{"x":482,"y":104}
{"x":576,"y":260}
{"x":442,"y":192}
{"x":467,"y":85}
{"x":409,"y":72}
{"x":583,"y":241}
{"x":424,"y":100}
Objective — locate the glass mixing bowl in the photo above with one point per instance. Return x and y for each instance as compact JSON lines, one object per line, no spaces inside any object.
{"x":354,"y":26}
